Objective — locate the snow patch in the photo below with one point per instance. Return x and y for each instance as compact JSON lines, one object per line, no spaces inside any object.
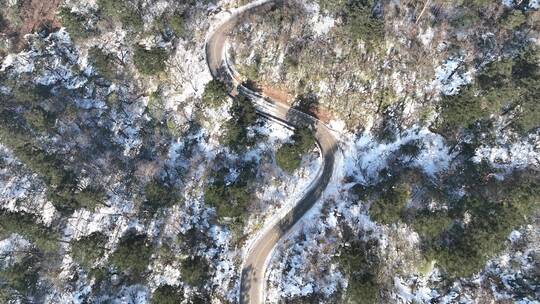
{"x":366,"y":157}
{"x":9,"y":247}
{"x":449,"y":77}
{"x":321,"y":24}
{"x":426,"y":36}
{"x":508,"y":154}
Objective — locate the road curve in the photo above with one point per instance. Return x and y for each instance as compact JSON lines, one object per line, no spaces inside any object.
{"x":254,"y":264}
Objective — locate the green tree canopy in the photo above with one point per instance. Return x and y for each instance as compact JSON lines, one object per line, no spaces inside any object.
{"x":289,"y":155}
{"x":215,"y":93}
{"x":150,"y":61}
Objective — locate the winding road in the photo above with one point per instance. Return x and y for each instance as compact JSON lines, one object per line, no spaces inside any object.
{"x":255,"y":263}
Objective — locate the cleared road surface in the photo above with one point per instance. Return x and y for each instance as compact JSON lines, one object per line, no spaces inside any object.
{"x":254,"y":265}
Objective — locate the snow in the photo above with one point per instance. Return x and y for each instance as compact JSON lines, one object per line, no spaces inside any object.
{"x":338,"y":126}
{"x":50,"y":61}
{"x":21,"y":190}
{"x":135,"y":294}
{"x":303,"y":264}
{"x":514,"y":236}
{"x":510,"y":154}
{"x":321,"y":24}
{"x":113,"y":42}
{"x":125,"y":126}
{"x":90,"y":104}
{"x":82,"y":6}
{"x":166,"y":274}
{"x":508,"y":3}
{"x":9,"y":247}
{"x":406,"y":295}
{"x":533,"y":4}
{"x":20,"y":63}
{"x":296,"y":269}
{"x":426,"y":36}
{"x":282,"y":193}
{"x":365,"y":157}
{"x":77,"y":296}
{"x":449,"y":77}
{"x":83,"y":222}
{"x":189,"y":71}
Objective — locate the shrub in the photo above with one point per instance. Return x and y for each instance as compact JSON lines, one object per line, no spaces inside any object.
{"x":363,"y":290}
{"x":231,"y":198}
{"x":386,"y":97}
{"x":23,"y":275}
{"x":90,"y":197}
{"x":513,"y":20}
{"x":526,"y":73}
{"x":289,"y":155}
{"x":132,"y":255}
{"x":7,"y":295}
{"x":463,"y":250}
{"x":251,"y":72}
{"x":527,"y":118}
{"x":177,"y":24}
{"x":124,"y":11}
{"x":359,"y":19}
{"x":215,"y":93}
{"x":390,"y":205}
{"x":411,"y":149}
{"x":464,"y":109}
{"x":496,"y":74}
{"x":155,"y":105}
{"x":88,"y":249}
{"x":44,"y":238}
{"x":235,"y":136}
{"x":333,"y":6}
{"x":430,"y":225}
{"x":361,"y":22}
{"x":150,"y":62}
{"x":244,"y":116}
{"x":104,"y":63}
{"x":172,"y":127}
{"x":467,"y":19}
{"x":478,"y":101}
{"x":112,"y":99}
{"x":39,"y":120}
{"x":502,"y":84}
{"x":62,"y":181}
{"x":307,"y":103}
{"x":25,"y":95}
{"x":195,"y":271}
{"x":167,"y":294}
{"x":74,"y":23}
{"x":159,"y":194}
{"x":358,"y":263}
{"x":171,"y":25}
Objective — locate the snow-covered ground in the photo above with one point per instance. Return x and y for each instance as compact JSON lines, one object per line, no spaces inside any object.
{"x":303,"y":263}
{"x":449,"y":77}
{"x":22,"y":190}
{"x":509,"y":154}
{"x":367,"y":156}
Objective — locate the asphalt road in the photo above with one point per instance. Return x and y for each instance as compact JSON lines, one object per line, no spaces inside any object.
{"x":254,"y":265}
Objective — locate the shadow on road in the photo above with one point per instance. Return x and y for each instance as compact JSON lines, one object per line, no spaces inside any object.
{"x":246,"y":284}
